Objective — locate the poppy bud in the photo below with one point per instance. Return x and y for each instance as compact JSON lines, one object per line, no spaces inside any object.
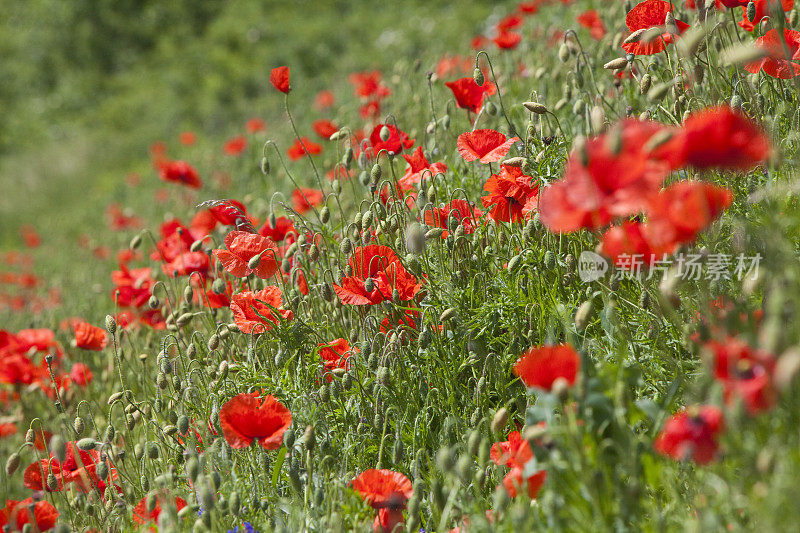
{"x":597,"y":118}
{"x":616,"y":64}
{"x":635,"y":37}
{"x":152,"y":450}
{"x":578,"y":107}
{"x":499,"y":420}
{"x":657,"y":93}
{"x":514,"y":263}
{"x":430,"y":128}
{"x":308,"y":437}
{"x":514,"y":162}
{"x":87,"y":444}
{"x":490,"y":108}
{"x":234,"y":503}
{"x":549,"y":260}
{"x":644,"y":83}
{"x":563,"y":53}
{"x":111,"y":324}
{"x":265,"y":166}
{"x":288,"y":439}
{"x":446,"y":122}
{"x":477,"y":76}
{"x":742,"y":54}
{"x":135,"y":242}
{"x":346,"y":246}
{"x":385,"y":133}
{"x":12,"y":463}
{"x":736,"y":102}
{"x":58,"y":447}
{"x":535,"y":107}
{"x":670,"y":24}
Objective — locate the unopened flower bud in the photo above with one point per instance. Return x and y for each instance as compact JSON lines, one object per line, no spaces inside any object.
{"x":477,"y":76}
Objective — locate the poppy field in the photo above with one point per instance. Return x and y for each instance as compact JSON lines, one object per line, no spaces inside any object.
{"x":538,"y":271}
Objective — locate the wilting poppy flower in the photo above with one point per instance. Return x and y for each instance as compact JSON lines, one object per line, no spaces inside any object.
{"x":763,"y":10}
{"x":279,"y":78}
{"x":324,"y":100}
{"x":303,"y":146}
{"x":335,"y":355}
{"x":487,"y":146}
{"x":325,"y":128}
{"x":90,"y":337}
{"x":187,"y":263}
{"x":590,"y":20}
{"x":778,"y":63}
{"x":507,"y":40}
{"x":611,"y":175}
{"x":650,"y":14}
{"x":304,"y":199}
{"x":541,"y":366}
{"x":377,"y":272}
{"x":691,"y":434}
{"x":16,"y":515}
{"x":744,"y":372}
{"x":387,"y":492}
{"x":258,"y":312}
{"x":466,"y":215}
{"x":398,"y":140}
{"x":283,"y":228}
{"x":254,"y":125}
{"x":235,"y":146}
{"x":180,"y":172}
{"x":470,"y":95}
{"x":719,"y":137}
{"x":510,"y":192}
{"x":141,"y":516}
{"x":242,"y":247}
{"x":80,"y":374}
{"x":248,"y":417}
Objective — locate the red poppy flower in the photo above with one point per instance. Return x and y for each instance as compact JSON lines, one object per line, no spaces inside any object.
{"x":529,"y":8}
{"x":325,"y":128}
{"x":541,"y":366}
{"x":649,"y":14}
{"x":744,"y":372}
{"x":335,"y":355}
{"x":90,"y":337}
{"x":383,"y":488}
{"x":257,"y":312}
{"x":304,"y":199}
{"x":398,"y":140}
{"x":507,"y":40}
{"x":303,"y":146}
{"x":235,"y":146}
{"x":187,"y":138}
{"x":691,"y":433}
{"x":629,"y":247}
{"x":613,"y":175}
{"x":324,"y":100}
{"x":141,"y":516}
{"x":470,"y":95}
{"x":719,"y":137}
{"x":778,"y":63}
{"x":179,"y":172}
{"x":510,"y":192}
{"x":80,"y":374}
{"x":369,"y":85}
{"x":515,"y":452}
{"x":684,"y":209}
{"x":78,"y":467}
{"x":248,"y":417}
{"x":255,"y":125}
{"x":418,"y":167}
{"x":279,"y":78}
{"x":16,"y":515}
{"x":8,"y":428}
{"x":242,"y":247}
{"x":466,"y":214}
{"x":516,"y":480}
{"x":283,"y":228}
{"x":763,"y":10}
{"x":381,"y":266}
{"x":591,"y":20}
{"x":187,"y":263}
{"x":487,"y":146}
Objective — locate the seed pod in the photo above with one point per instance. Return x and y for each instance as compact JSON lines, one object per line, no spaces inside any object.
{"x":477,"y":76}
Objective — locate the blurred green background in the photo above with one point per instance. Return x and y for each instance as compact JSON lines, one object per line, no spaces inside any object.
{"x":87,"y":85}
